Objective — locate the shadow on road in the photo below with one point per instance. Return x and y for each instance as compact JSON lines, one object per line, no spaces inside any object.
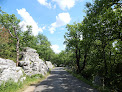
{"x":61,"y":81}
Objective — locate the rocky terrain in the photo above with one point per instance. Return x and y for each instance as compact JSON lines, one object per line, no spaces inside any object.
{"x":49,"y":64}
{"x":30,"y":64}
{"x":9,"y":71}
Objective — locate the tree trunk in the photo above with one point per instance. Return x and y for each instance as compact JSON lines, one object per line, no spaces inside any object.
{"x":17,"y":44}
{"x":105,"y":63}
{"x":111,"y":65}
{"x":84,"y":62}
{"x":17,"y":50}
{"x":77,"y":60}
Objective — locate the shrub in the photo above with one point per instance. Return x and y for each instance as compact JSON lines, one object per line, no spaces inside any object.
{"x":11,"y":86}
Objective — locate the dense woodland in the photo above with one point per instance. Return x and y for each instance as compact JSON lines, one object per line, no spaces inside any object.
{"x":93,"y":47}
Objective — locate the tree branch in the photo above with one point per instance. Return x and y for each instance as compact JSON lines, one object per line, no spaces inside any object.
{"x":11,"y":33}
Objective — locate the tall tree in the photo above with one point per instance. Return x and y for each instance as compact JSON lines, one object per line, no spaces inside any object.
{"x":72,"y":41}
{"x":10,"y":22}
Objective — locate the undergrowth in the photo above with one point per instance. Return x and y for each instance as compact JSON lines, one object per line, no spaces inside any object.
{"x":11,"y":86}
{"x":89,"y":82}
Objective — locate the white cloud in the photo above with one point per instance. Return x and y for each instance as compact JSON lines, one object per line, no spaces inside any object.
{"x":44,"y":27}
{"x":55,"y":48}
{"x":63,"y":4}
{"x":61,"y":20}
{"x":28,"y":20}
{"x":44,"y":2}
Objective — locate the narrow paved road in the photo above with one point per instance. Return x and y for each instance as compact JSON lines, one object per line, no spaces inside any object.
{"x":61,"y":81}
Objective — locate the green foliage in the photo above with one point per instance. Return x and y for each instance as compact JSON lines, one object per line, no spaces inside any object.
{"x":89,"y":82}
{"x":93,"y":55}
{"x":8,"y":42}
{"x":32,"y":78}
{"x":11,"y":86}
{"x":43,"y":47}
{"x":64,"y":58}
{"x":26,"y":39}
{"x":100,"y":29}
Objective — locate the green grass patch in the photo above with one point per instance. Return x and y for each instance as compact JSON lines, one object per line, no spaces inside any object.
{"x":11,"y":86}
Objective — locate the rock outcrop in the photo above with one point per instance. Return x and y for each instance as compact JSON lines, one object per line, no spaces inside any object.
{"x":31,"y":63}
{"x":9,"y":71}
{"x":49,"y":64}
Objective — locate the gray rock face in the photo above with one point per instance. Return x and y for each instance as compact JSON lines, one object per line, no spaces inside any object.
{"x":8,"y":70}
{"x":49,"y":64}
{"x":31,"y":63}
{"x":7,"y":62}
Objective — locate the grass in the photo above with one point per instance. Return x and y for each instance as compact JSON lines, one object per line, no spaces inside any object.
{"x":35,"y":79}
{"x":11,"y":86}
{"x":89,"y":82}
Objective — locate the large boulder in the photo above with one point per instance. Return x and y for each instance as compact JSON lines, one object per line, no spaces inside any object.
{"x":9,"y":71}
{"x":49,"y":64}
{"x":31,"y":63}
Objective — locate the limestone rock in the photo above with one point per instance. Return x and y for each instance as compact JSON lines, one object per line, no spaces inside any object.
{"x":31,"y":63}
{"x":8,"y":70}
{"x":7,"y":62}
{"x":22,"y":79}
{"x":49,"y":64}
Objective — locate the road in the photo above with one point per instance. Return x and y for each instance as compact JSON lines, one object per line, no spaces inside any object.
{"x":62,"y":81}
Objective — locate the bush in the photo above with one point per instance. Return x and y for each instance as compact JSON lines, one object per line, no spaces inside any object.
{"x":11,"y":86}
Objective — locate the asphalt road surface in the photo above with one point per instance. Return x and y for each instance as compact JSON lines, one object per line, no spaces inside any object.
{"x":61,"y":81}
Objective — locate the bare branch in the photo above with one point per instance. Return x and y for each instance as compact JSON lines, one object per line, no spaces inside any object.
{"x":15,"y":31}
{"x":11,"y":33}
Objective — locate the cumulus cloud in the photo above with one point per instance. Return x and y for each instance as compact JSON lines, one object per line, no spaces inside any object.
{"x":44,"y":2}
{"x":55,"y":48}
{"x":61,"y":20}
{"x":28,"y":20}
{"x":63,"y":4}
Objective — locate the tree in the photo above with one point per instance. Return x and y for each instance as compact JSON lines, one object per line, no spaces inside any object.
{"x":4,"y":35}
{"x":72,"y":41}
{"x":100,"y":29}
{"x":103,"y":22}
{"x":43,"y":48}
{"x":10,"y":22}
{"x":13,"y":39}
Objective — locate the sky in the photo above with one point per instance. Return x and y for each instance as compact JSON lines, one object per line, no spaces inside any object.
{"x":48,"y":17}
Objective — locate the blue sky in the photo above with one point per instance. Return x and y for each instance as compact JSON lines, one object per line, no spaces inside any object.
{"x":48,"y":17}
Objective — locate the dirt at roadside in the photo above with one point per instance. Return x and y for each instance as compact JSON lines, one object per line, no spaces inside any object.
{"x":30,"y":89}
